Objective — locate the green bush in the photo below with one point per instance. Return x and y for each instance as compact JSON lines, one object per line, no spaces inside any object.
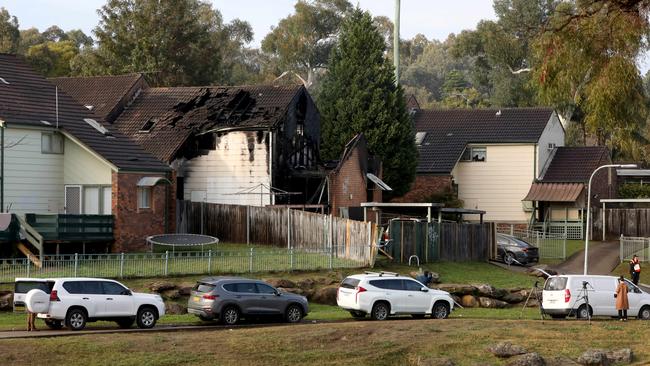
{"x":634,"y":190}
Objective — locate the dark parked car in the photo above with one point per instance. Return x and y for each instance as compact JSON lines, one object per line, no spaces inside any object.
{"x":229,"y":299}
{"x":514,"y":250}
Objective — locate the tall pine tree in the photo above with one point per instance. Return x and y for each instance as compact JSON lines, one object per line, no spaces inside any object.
{"x":359,"y":96}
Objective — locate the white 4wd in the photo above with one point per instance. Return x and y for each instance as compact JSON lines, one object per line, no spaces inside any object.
{"x":384,"y":294}
{"x":76,"y":301}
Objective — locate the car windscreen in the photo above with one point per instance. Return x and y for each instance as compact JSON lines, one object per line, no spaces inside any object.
{"x":23,"y":287}
{"x":350,"y":283}
{"x":203,"y":287}
{"x":555,"y":284}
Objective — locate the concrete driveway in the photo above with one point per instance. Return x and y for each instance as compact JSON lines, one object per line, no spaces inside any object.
{"x":603,"y":258}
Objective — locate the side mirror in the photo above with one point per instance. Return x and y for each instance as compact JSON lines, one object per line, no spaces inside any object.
{"x":277,"y":293}
{"x":127,"y":292}
{"x":424,"y":289}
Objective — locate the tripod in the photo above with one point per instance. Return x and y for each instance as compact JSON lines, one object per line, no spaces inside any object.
{"x":582,"y":295}
{"x":534,"y":291}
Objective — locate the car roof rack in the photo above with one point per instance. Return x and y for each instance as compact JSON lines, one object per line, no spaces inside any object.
{"x":380,"y":274}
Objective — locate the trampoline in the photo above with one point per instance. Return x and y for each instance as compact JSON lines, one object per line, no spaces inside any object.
{"x":181,"y":240}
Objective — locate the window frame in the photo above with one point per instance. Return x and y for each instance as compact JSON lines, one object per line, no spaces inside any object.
{"x":144,"y":192}
{"x":468,"y":154}
{"x":53,"y":137}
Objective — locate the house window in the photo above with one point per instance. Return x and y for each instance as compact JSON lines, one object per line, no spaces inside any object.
{"x":51,"y":143}
{"x":474,"y":153}
{"x":97,"y":200}
{"x":148,"y":126}
{"x":144,"y":197}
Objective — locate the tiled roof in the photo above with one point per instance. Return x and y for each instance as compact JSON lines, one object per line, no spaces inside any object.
{"x":180,"y":112}
{"x":27,"y":98}
{"x":554,"y":192}
{"x":103,"y":93}
{"x":575,"y":164}
{"x":449,"y":131}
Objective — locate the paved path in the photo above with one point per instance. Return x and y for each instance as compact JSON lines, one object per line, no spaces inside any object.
{"x":603,"y":258}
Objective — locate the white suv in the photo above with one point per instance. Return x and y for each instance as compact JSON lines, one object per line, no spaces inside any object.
{"x":385,"y":293}
{"x":76,"y":301}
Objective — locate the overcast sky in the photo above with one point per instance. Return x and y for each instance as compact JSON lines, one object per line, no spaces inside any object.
{"x":433,"y":18}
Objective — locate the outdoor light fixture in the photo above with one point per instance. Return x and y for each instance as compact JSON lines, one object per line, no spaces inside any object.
{"x":622,"y":166}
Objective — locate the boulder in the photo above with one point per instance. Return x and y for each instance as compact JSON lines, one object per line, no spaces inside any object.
{"x":6,"y":300}
{"x":185,"y":291}
{"x":306,"y":283}
{"x":623,"y":355}
{"x":506,"y":349}
{"x":292,"y":290}
{"x":513,"y":297}
{"x":594,"y":357}
{"x":469,"y":301}
{"x":280,"y":282}
{"x":456,"y":289}
{"x":162,"y":286}
{"x":325,"y":295}
{"x":484,"y":290}
{"x":487,"y":302}
{"x":170,"y":294}
{"x":435,"y":277}
{"x":528,"y":359}
{"x":560,"y":361}
{"x":325,"y":281}
{"x":175,"y":308}
{"x":456,"y":299}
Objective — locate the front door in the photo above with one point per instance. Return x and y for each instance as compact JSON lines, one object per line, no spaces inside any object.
{"x":268,"y":302}
{"x":73,"y":200}
{"x":117,"y":300}
{"x":418,"y":301}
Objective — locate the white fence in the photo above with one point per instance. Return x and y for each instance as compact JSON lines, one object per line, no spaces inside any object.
{"x":630,"y":246}
{"x":124,"y":265}
{"x":551,"y":246}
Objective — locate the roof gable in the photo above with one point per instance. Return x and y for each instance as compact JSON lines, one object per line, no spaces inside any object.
{"x":448,"y":131}
{"x":27,"y":98}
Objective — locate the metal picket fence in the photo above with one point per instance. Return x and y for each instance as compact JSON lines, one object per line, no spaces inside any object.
{"x":551,"y":246}
{"x":127,"y":265}
{"x":630,"y":246}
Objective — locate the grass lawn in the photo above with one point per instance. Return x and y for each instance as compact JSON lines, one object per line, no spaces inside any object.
{"x":393,"y":342}
{"x":572,"y":246}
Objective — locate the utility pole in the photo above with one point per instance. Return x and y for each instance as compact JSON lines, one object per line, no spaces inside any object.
{"x":2,"y":166}
{"x":396,"y":42}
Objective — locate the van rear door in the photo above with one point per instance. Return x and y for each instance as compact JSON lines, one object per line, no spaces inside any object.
{"x":22,"y":287}
{"x":554,"y":293}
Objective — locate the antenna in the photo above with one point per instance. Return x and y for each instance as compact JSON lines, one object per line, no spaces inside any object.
{"x":56,"y":97}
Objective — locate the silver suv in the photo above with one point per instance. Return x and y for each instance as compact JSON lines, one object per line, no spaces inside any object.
{"x":231,"y":298}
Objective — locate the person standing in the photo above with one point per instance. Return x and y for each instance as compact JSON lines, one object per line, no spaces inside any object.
{"x":635,"y":269}
{"x":622,"y":303}
{"x":426,"y":278}
{"x":31,"y":318}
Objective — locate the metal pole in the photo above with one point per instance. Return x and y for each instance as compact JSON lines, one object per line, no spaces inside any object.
{"x":250,"y":262}
{"x":396,"y":42}
{"x":288,"y":228}
{"x":166,"y":262}
{"x":209,"y":261}
{"x":122,"y":265}
{"x":76,"y":264}
{"x":248,"y":225}
{"x":202,"y":215}
{"x":291,"y":259}
{"x":603,"y":223}
{"x":2,"y":166}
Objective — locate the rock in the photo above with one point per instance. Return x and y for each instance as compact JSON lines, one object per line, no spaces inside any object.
{"x":513,"y":297}
{"x":456,"y":289}
{"x":175,"y":308}
{"x":560,"y":361}
{"x":324,"y":281}
{"x":170,"y":294}
{"x":469,"y":301}
{"x":162,"y":286}
{"x":435,"y":278}
{"x":434,"y":362}
{"x":306,"y":283}
{"x":280,"y":282}
{"x":594,"y":357}
{"x":484,"y":290}
{"x":528,"y":359}
{"x":185,"y":291}
{"x":487,"y":302}
{"x":506,"y":349}
{"x":6,"y":301}
{"x":325,"y":295}
{"x":456,"y":299}
{"x":292,"y":290}
{"x":623,"y":355}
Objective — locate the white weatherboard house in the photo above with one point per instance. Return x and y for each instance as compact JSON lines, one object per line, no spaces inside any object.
{"x":488,"y":157}
{"x":60,"y":158}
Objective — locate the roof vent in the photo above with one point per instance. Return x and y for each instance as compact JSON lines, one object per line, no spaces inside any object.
{"x":450,"y":134}
{"x":46,"y":122}
{"x":498,"y":113}
{"x":96,"y":125}
{"x":419,"y":137}
{"x":4,"y":81}
{"x":90,"y":107}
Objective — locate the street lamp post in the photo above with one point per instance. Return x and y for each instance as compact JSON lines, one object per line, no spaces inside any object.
{"x":623,"y":166}
{"x":2,"y":165}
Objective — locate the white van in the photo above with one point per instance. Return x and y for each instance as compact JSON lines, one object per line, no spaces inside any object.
{"x":563,"y":296}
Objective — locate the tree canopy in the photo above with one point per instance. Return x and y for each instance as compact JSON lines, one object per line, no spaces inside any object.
{"x":359,"y":96}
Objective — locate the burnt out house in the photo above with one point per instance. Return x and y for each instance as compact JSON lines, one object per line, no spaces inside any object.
{"x":248,"y":145}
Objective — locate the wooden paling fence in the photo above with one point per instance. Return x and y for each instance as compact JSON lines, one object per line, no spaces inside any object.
{"x":634,"y":222}
{"x":280,"y":227}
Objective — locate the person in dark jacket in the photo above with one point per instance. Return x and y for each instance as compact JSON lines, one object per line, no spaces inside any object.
{"x":635,"y":269}
{"x":622,"y":303}
{"x":425,"y":278}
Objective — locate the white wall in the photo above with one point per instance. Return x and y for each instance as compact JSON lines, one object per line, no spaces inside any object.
{"x":553,"y":133}
{"x":33,"y":180}
{"x":228,"y":169}
{"x":82,"y":167}
{"x":498,"y":184}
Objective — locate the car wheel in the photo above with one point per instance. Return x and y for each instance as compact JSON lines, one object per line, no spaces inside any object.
{"x":509,"y":258}
{"x":418,"y":316}
{"x":229,"y":316}
{"x":146,"y":318}
{"x":358,"y":314}
{"x":583,"y":312}
{"x":440,"y":310}
{"x":53,"y":324}
{"x":125,"y":323}
{"x":644,"y":313}
{"x":380,"y":311}
{"x":76,"y":319}
{"x":293,"y":314}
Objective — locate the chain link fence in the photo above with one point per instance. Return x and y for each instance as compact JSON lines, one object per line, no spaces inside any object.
{"x":551,"y":246}
{"x":123,"y":265}
{"x":629,"y":246}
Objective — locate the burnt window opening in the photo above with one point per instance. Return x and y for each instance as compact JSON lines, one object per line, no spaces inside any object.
{"x":301,"y":113}
{"x":148,"y":126}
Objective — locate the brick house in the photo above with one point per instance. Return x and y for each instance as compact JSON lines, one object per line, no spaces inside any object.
{"x":63,"y":159}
